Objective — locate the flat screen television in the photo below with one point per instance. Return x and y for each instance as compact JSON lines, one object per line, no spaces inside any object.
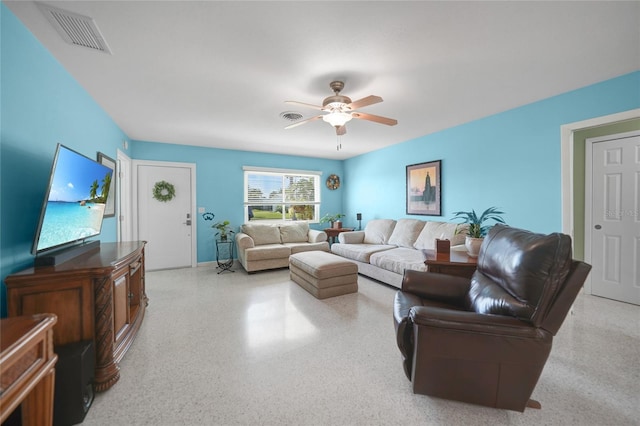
{"x":74,"y":203}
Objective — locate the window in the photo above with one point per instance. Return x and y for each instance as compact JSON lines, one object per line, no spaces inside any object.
{"x":281,"y":195}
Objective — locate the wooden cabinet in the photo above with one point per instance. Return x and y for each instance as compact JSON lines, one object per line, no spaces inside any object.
{"x":98,"y":296}
{"x":27,"y":372}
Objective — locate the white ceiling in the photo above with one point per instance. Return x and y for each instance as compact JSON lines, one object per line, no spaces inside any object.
{"x":217,"y":74}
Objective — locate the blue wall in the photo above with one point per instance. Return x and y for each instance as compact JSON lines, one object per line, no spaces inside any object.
{"x":220,"y":182}
{"x":41,"y":105}
{"x":510,"y":160}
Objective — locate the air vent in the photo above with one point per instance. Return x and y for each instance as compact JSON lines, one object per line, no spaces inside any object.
{"x":291,"y":115}
{"x":75,"y":29}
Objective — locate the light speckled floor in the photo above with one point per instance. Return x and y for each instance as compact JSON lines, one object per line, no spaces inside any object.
{"x":257,"y":349}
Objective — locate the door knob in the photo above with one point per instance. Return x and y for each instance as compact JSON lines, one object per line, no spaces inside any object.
{"x":598,"y":227}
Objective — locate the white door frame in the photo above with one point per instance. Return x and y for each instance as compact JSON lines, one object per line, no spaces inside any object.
{"x":134,"y":184}
{"x":123,"y":213}
{"x":566,"y":165}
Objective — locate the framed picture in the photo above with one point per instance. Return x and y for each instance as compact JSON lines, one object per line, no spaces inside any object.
{"x":423,"y":188}
{"x":110,"y":208}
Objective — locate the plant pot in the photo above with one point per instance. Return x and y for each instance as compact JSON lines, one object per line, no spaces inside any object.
{"x":473,"y":245}
{"x":337,"y":224}
{"x":223,"y":237}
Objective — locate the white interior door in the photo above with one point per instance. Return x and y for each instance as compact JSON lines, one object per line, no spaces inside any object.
{"x":168,"y":227}
{"x":614,"y":226}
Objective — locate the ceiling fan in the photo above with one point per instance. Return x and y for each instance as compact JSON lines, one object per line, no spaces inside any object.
{"x":341,"y":109}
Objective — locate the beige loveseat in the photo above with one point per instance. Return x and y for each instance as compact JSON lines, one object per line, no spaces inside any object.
{"x":386,"y":247}
{"x":263,"y":246}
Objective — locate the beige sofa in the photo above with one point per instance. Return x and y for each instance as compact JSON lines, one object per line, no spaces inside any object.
{"x":386,"y":247}
{"x":263,"y":246}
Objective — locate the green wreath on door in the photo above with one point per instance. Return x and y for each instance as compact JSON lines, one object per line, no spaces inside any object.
{"x":164,"y":191}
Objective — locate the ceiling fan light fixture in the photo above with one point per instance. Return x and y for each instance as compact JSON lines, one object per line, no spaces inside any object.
{"x":337,"y":119}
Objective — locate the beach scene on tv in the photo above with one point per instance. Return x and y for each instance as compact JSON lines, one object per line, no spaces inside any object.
{"x":76,"y":201}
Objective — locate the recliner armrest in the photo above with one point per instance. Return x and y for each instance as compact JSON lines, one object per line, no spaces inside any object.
{"x":440,"y":287}
{"x":403,"y":302}
{"x":472,"y":322}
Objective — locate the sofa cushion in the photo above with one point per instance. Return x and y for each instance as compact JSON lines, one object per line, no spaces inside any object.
{"x":294,"y":232}
{"x":398,"y":259}
{"x":262,"y":234}
{"x":300,"y":247}
{"x":441,"y":230}
{"x":267,"y":251}
{"x":406,"y":232}
{"x":378,"y":231}
{"x":359,"y":252}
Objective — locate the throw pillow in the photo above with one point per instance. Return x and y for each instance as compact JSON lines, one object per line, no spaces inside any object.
{"x":378,"y":231}
{"x":262,"y":234}
{"x":406,"y":232}
{"x":294,"y":232}
{"x":441,"y":230}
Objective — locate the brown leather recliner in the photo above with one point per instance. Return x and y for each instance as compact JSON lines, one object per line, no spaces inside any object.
{"x":486,"y":340}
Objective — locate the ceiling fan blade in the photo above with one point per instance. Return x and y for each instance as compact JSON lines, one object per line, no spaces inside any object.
{"x":375,"y":118}
{"x":342,"y":130}
{"x":369,"y":100}
{"x":304,"y":104}
{"x":296,"y":124}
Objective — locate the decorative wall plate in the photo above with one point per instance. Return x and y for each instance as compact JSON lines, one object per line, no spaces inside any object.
{"x":333,"y":182}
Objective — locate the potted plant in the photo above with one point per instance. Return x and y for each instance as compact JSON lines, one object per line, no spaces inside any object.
{"x":223,"y":229}
{"x":477,"y":228}
{"x":333,"y":219}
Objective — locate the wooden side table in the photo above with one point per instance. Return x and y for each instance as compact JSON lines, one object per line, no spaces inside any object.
{"x":455,"y":262}
{"x":332,"y":233}
{"x":27,"y":367}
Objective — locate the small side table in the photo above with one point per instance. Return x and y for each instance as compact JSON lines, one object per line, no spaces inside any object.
{"x":456,"y":262}
{"x":332,"y":233}
{"x":224,"y":255}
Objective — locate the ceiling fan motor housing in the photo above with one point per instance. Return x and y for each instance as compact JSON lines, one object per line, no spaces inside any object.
{"x":336,"y":102}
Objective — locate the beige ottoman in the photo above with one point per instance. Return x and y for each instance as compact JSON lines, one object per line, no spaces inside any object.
{"x":323,"y":274}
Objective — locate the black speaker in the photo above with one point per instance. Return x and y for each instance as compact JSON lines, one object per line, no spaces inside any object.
{"x":74,"y":383}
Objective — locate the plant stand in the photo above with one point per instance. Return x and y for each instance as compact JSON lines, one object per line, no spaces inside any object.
{"x":224,"y":255}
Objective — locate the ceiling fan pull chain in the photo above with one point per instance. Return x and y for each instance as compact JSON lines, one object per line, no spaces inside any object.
{"x":338,"y":143}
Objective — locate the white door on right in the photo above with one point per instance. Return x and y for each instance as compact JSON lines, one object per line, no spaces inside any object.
{"x":615,"y":217}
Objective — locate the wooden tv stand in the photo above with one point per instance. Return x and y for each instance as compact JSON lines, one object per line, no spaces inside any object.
{"x":99,"y":296}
